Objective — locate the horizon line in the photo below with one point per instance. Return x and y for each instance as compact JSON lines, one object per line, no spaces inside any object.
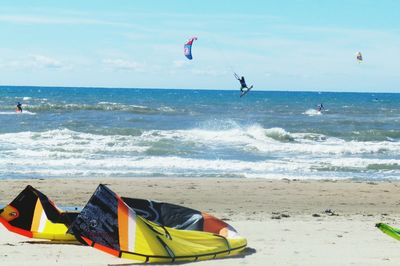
{"x":193,"y":89}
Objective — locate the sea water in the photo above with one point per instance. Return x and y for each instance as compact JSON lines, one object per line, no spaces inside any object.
{"x":102,"y":132}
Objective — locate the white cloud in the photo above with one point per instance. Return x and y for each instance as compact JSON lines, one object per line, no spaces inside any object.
{"x":45,"y":61}
{"x":32,"y":62}
{"x":208,"y":72}
{"x":50,"y":20}
{"x":180,"y":63}
{"x":47,"y":20}
{"x":122,"y":64}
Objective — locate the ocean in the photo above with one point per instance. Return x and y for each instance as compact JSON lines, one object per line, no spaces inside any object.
{"x":102,"y":132}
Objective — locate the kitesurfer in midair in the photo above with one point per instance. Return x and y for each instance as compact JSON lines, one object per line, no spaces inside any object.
{"x":243,"y":84}
{"x":19,"y":107}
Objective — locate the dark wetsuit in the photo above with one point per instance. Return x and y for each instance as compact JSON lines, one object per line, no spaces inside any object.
{"x":242,"y":83}
{"x":19,"y":107}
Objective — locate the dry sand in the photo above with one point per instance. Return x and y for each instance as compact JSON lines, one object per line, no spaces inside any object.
{"x":284,"y":221}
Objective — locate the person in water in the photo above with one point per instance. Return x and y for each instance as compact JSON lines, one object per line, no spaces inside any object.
{"x":243,"y":84}
{"x":320,"y":107}
{"x":19,"y":107}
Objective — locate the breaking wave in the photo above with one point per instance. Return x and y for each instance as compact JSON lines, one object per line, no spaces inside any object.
{"x":45,"y":106}
{"x":312,"y":112}
{"x":17,"y":113}
{"x":194,"y":152}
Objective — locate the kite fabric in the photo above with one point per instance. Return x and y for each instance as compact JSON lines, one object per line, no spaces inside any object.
{"x":110,"y":224}
{"x":390,"y":231}
{"x":137,"y":229}
{"x":187,"y":49}
{"x":33,"y":215}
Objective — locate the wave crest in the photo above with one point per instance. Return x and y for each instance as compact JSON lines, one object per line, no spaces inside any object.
{"x":312,"y":112}
{"x":224,"y":150}
{"x":101,"y":106}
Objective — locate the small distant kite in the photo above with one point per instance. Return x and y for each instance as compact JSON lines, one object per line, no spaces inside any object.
{"x":359,"y":57}
{"x":187,"y":49}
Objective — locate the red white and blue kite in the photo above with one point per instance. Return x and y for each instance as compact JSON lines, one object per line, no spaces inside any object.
{"x":187,"y":49}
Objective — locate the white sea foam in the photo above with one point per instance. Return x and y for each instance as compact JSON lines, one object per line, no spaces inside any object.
{"x":141,"y":165}
{"x":139,"y":106}
{"x":64,"y":152}
{"x":105,"y":103}
{"x":178,"y":166}
{"x":273,"y":140}
{"x":9,"y":113}
{"x":17,"y":113}
{"x":27,"y":98}
{"x":122,"y":106}
{"x":166,"y":109}
{"x":312,"y":112}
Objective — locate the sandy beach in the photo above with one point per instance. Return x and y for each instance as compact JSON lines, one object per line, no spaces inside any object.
{"x":286,"y":222}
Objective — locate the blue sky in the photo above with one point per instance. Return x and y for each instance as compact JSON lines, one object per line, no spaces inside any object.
{"x":277,"y":45}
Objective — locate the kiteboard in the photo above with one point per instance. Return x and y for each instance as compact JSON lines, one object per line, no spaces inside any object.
{"x":243,"y":93}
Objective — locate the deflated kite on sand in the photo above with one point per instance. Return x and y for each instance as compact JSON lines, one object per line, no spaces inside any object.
{"x":33,"y":215}
{"x":129,"y":228}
